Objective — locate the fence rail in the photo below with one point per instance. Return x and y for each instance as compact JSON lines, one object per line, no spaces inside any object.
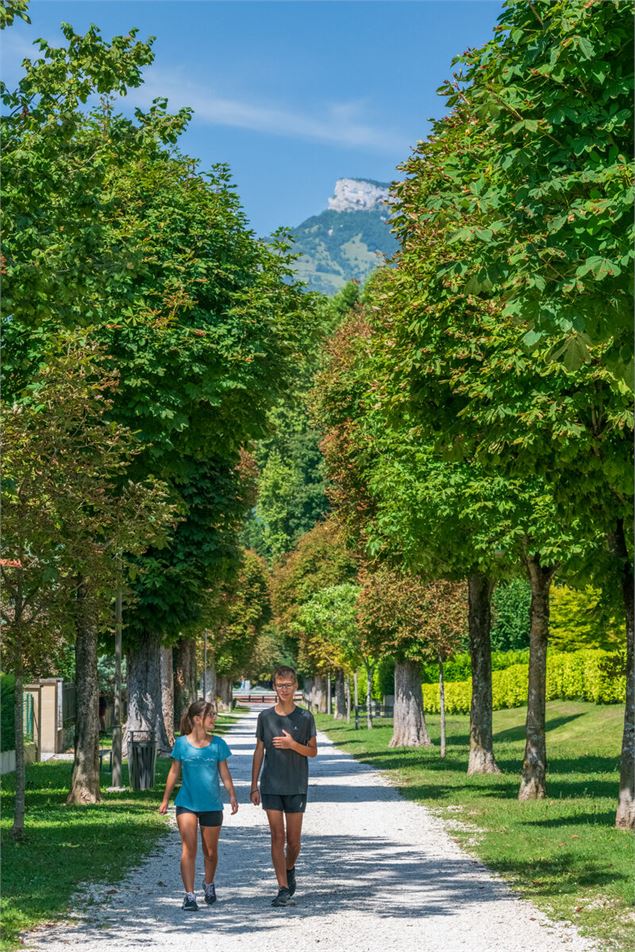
{"x":376,"y":710}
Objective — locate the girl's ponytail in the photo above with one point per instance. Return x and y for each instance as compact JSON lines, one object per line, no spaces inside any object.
{"x":196,"y":708}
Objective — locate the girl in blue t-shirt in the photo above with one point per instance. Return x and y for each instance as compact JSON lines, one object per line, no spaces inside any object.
{"x":201,"y":758}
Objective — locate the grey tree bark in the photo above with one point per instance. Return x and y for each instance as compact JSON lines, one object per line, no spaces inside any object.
{"x":409,"y":724}
{"x":442,"y":744}
{"x":17,"y":830}
{"x":209,"y":683}
{"x":85,"y":777}
{"x":625,"y":815}
{"x":481,"y":759}
{"x":145,"y":701}
{"x":184,"y":664}
{"x":224,"y":692}
{"x":369,"y":696}
{"x":319,"y":693}
{"x":533,"y":784}
{"x":340,"y":695}
{"x":167,"y":692}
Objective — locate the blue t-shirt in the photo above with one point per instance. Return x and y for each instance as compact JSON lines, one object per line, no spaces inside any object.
{"x":200,"y":782}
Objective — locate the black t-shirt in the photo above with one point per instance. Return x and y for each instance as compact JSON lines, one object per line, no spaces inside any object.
{"x":284,"y":771}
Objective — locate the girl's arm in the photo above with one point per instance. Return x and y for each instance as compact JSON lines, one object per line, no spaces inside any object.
{"x":173,"y":776}
{"x":228,"y":783}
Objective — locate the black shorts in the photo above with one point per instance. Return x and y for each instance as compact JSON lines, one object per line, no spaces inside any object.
{"x":205,"y":817}
{"x":287,"y":802}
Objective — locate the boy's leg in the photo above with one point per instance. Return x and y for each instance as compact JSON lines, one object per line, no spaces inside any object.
{"x":209,"y":842}
{"x":294,"y":836}
{"x":188,"y":824}
{"x":276,"y":825}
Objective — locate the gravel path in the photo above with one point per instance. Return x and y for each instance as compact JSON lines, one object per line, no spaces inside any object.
{"x":377,"y":874}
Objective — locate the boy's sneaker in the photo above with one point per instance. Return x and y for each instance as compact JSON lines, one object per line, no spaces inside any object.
{"x":189,"y":903}
{"x":210,"y":893}
{"x":291,"y":880}
{"x":283,"y":898}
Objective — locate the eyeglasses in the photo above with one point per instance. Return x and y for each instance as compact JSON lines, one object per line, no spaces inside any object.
{"x":285,"y":687}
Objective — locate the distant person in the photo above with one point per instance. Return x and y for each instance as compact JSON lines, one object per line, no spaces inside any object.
{"x":203,"y":760}
{"x":286,"y":738}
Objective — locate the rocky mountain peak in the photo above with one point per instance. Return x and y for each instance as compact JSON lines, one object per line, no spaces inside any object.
{"x":355,"y":195}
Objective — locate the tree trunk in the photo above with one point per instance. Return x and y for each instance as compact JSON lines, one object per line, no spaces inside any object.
{"x":625,"y":816}
{"x":481,"y":759}
{"x":534,"y":772}
{"x":409,"y":725}
{"x":328,"y":693}
{"x":85,"y":778}
{"x":340,"y":695}
{"x":319,"y":693}
{"x":369,"y":696}
{"x":224,"y":692}
{"x":167,"y":692}
{"x":356,"y":689}
{"x":347,"y":692}
{"x":184,"y":663}
{"x":209,"y":683}
{"x":17,"y":830}
{"x":442,"y":707}
{"x":145,"y":709}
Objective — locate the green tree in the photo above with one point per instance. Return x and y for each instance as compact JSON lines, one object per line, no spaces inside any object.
{"x":551,"y":97}
{"x":332,"y":638}
{"x":70,"y":513}
{"x":243,"y":609}
{"x":511,"y":604}
{"x":411,"y":620}
{"x":126,"y":235}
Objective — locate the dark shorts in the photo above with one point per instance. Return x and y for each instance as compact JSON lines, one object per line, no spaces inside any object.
{"x":205,"y":817}
{"x":287,"y":803}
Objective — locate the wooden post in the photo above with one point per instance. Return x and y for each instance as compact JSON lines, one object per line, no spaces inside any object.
{"x":116,"y":727}
{"x":442,"y":706}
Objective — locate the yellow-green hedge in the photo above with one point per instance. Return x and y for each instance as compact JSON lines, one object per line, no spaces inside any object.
{"x":586,"y":675}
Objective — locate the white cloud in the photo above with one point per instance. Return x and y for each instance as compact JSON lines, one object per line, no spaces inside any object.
{"x":338,"y":123}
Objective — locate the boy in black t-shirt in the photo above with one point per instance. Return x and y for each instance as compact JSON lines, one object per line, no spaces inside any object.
{"x":285,"y":739}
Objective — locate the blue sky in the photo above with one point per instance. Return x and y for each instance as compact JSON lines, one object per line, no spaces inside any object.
{"x":293,"y":95}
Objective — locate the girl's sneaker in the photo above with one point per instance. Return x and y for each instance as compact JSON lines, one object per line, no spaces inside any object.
{"x":189,"y":903}
{"x":210,"y":893}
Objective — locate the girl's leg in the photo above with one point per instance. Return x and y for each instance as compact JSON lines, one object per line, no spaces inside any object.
{"x":188,"y":823}
{"x":294,"y":834}
{"x":276,"y":825}
{"x":209,"y":842}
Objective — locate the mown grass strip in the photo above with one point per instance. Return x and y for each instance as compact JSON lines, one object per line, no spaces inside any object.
{"x":563,"y":853}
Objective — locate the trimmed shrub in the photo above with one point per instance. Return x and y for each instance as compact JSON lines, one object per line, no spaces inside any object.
{"x":580,"y":619}
{"x":459,"y":668}
{"x":7,"y":713}
{"x":587,"y":675}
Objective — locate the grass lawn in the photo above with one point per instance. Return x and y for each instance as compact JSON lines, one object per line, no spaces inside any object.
{"x":67,"y":846}
{"x":562,"y":852}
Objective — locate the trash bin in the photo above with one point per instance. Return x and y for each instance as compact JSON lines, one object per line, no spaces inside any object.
{"x":142,"y":755}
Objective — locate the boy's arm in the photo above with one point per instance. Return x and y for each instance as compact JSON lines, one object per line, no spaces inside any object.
{"x":256,"y":764}
{"x":286,"y":742}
